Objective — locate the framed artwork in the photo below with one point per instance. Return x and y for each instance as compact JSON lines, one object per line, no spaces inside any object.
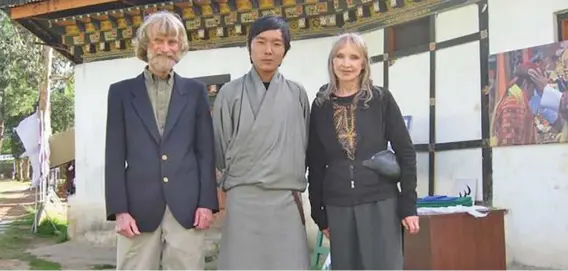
{"x":528,"y":95}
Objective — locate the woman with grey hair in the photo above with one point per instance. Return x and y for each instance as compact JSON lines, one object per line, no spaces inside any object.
{"x":359,"y":210}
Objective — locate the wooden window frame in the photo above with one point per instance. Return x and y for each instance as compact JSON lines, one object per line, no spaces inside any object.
{"x":391,"y":44}
{"x":562,"y":19}
{"x":390,"y":40}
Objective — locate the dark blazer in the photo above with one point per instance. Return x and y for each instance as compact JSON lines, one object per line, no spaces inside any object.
{"x":176,"y":169}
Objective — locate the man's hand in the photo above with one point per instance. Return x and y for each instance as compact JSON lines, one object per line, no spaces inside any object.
{"x":538,"y":78}
{"x":126,"y":225}
{"x":325,"y":233}
{"x":218,"y":174}
{"x":411,"y":224}
{"x":203,"y":218}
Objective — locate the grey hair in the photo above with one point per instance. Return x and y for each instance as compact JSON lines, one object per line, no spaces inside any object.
{"x":365,"y":82}
{"x":163,"y":23}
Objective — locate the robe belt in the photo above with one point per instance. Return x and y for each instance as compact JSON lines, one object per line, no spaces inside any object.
{"x":224,"y":172}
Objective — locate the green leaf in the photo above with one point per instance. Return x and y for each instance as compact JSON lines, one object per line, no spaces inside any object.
{"x":21,"y":73}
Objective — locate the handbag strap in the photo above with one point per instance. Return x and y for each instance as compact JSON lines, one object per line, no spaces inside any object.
{"x":379,"y":92}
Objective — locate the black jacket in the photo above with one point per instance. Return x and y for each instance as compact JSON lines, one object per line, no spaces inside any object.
{"x":336,"y":180}
{"x":176,"y":169}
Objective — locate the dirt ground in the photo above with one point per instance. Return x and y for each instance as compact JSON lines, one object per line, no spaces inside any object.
{"x":17,"y":241}
{"x":15,"y":198}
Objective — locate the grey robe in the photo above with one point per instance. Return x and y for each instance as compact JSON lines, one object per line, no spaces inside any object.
{"x":261,"y":140}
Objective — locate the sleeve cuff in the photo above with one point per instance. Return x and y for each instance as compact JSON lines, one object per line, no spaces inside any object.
{"x":213,"y":207}
{"x":320,"y":218}
{"x":323,"y":226}
{"x":406,"y":209}
{"x":112,"y":212}
{"x":551,"y":98}
{"x":111,"y":215}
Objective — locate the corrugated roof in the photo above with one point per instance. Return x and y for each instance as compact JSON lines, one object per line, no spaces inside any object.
{"x":14,"y":3}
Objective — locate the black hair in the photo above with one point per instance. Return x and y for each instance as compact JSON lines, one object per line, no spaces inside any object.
{"x":267,"y":23}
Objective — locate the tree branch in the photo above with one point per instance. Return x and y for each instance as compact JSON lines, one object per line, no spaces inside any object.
{"x":60,"y":77}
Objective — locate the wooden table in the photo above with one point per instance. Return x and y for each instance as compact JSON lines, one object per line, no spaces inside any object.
{"x":457,"y":241}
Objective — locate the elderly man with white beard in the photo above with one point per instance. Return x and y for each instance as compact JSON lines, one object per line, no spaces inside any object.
{"x":160,"y":175}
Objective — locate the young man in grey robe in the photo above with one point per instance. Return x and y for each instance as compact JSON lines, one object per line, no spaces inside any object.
{"x":260,"y":127}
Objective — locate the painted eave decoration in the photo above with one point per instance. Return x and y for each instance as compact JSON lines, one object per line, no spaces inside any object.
{"x":13,"y":3}
{"x":104,"y":29}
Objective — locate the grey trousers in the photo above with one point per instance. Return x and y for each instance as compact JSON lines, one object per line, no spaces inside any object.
{"x":366,"y":236}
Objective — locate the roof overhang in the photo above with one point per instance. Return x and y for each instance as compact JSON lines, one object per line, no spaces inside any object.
{"x":38,"y":8}
{"x":88,"y":30}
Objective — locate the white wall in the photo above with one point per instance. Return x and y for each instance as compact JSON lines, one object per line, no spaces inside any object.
{"x":530,"y":181}
{"x":458,"y":103}
{"x":409,"y":81}
{"x":306,"y":63}
{"x":458,"y":100}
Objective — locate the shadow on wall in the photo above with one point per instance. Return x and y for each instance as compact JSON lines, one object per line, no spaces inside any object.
{"x":87,"y":223}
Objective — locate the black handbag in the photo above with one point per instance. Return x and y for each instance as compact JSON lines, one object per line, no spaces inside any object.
{"x":384,"y":164}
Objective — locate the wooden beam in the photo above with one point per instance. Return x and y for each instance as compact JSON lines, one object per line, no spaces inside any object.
{"x":50,"y":6}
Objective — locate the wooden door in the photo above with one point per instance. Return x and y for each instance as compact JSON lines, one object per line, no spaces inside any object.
{"x":564,"y":29}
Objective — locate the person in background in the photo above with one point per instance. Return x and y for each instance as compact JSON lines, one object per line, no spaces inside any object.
{"x":70,"y":177}
{"x":260,"y":124}
{"x":350,"y":121}
{"x":160,"y":169}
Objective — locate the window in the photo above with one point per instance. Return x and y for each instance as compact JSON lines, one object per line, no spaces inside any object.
{"x":214,"y":84}
{"x":408,"y":35}
{"x":563,"y":27}
{"x":212,"y":91}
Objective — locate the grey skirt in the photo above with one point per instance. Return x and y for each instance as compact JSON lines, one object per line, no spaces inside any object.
{"x":366,"y":236}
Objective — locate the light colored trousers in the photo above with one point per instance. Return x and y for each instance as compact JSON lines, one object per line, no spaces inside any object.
{"x":169,"y":247}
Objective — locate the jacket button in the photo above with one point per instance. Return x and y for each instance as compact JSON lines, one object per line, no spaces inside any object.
{"x":164,"y":157}
{"x":165,"y":179}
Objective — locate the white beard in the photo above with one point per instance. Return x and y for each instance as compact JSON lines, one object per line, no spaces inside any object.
{"x":161,"y":63}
